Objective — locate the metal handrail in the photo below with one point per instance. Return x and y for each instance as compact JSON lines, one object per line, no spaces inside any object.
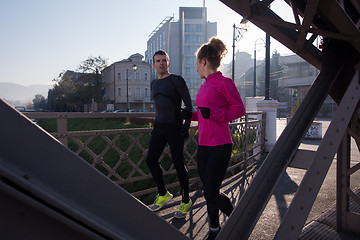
{"x":119,"y":157}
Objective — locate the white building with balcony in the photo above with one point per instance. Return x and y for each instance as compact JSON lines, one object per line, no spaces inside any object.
{"x":132,"y":74}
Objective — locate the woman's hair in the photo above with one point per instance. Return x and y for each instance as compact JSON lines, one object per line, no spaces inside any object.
{"x":213,"y":52}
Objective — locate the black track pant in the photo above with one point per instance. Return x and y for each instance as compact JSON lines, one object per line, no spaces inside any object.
{"x":168,"y":133}
{"x":212,"y":162}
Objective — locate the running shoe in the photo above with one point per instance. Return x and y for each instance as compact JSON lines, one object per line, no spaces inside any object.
{"x":212,"y":235}
{"x":160,"y":201}
{"x":183,"y":209}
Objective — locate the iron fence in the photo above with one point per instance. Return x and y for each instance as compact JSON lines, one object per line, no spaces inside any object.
{"x":120,"y":154}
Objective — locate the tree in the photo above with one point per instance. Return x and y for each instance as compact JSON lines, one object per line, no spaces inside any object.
{"x":63,"y":96}
{"x":93,"y":65}
{"x":39,"y":102}
{"x":89,"y":84}
{"x":73,"y":90}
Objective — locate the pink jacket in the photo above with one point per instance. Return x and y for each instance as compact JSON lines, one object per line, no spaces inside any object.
{"x":220,"y":94}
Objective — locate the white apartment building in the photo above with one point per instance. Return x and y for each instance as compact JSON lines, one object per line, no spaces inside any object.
{"x":181,"y":40}
{"x":132,"y":74}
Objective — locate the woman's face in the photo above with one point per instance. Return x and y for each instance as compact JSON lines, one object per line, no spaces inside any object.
{"x":200,"y":63}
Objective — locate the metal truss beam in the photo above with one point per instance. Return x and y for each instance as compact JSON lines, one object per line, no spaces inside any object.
{"x":346,"y":220}
{"x":251,"y":205}
{"x":300,"y":207}
{"x":329,"y":19}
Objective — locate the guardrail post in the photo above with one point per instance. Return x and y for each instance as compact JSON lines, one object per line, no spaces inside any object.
{"x":62,"y":129}
{"x":246,"y":140}
{"x":270,"y":107}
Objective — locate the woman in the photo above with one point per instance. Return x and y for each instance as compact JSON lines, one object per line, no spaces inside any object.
{"x":218,"y":102}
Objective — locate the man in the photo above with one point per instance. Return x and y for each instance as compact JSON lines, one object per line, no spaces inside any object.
{"x":168,"y":91}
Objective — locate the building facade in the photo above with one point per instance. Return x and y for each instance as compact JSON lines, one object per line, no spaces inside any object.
{"x":290,"y":80}
{"x":181,"y":40}
{"x":132,"y":74}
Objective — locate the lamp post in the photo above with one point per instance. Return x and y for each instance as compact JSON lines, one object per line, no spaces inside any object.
{"x":267,"y":68}
{"x":237,"y":35}
{"x":127,"y":87}
{"x":255,"y":64}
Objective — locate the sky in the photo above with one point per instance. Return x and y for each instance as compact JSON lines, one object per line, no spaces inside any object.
{"x":41,"y":38}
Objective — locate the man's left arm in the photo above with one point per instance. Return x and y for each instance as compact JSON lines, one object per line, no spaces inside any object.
{"x":184,"y":93}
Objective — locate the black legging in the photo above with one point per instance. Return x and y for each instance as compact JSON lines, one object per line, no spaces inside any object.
{"x":168,"y":133}
{"x":212,"y":162}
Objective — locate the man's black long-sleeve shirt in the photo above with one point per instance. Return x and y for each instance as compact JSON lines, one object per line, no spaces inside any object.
{"x":168,"y":93}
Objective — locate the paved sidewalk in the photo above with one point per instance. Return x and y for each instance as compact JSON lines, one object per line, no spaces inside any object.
{"x":195,"y":225}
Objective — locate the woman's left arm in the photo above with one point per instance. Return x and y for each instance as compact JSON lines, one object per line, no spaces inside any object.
{"x":235,"y":107}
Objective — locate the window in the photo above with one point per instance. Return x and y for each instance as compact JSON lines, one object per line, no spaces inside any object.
{"x":193,"y":38}
{"x":129,"y":91}
{"x":191,"y":49}
{"x":164,"y":40}
{"x":146,"y":92}
{"x":138,"y":93}
{"x":119,"y":76}
{"x":193,"y":27}
{"x":137,"y":76}
{"x":305,"y":70}
{"x":160,"y":41}
{"x":145,"y":76}
{"x":129,"y":75}
{"x":190,"y":60}
{"x":119,"y":91}
{"x":293,"y":71}
{"x":190,"y":71}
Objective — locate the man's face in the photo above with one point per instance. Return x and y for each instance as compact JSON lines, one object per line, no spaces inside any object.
{"x":161,"y":64}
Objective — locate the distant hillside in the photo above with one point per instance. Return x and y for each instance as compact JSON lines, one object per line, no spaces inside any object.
{"x":23,"y":94}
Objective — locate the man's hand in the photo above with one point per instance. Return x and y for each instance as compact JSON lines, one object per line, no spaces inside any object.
{"x":205,"y":112}
{"x":184,"y":132}
{"x":186,"y":114}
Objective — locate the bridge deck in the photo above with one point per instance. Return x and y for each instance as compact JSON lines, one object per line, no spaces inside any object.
{"x":319,"y":225}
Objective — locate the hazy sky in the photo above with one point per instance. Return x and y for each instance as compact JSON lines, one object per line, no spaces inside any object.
{"x":41,"y":38}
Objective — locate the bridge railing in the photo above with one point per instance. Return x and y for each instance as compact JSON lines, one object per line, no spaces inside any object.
{"x":120,"y":154}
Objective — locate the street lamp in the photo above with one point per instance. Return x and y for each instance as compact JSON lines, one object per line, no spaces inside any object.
{"x":127,"y":87}
{"x":237,"y":35}
{"x":267,"y":67}
{"x":255,"y":64}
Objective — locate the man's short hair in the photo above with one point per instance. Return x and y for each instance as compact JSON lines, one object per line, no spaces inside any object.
{"x":160,"y":52}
